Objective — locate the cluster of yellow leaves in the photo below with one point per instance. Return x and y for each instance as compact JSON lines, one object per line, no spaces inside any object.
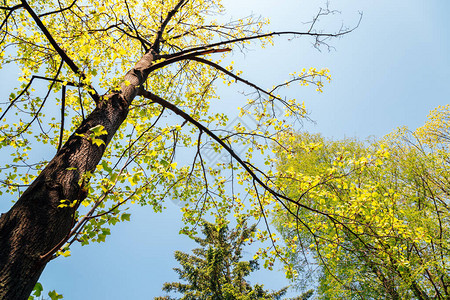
{"x":437,"y":128}
{"x":371,"y":211}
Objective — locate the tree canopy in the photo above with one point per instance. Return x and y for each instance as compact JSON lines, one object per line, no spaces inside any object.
{"x":216,"y":270}
{"x":98,"y":80}
{"x":379,"y":223}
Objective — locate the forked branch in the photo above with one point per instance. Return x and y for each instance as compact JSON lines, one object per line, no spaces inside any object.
{"x":158,"y":38}
{"x":92,"y":92}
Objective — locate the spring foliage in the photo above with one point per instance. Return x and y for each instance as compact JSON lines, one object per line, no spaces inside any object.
{"x":114,"y":89}
{"x":103,"y":40}
{"x":379,"y":223}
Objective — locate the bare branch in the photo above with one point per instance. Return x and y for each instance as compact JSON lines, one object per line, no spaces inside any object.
{"x":267,"y":35}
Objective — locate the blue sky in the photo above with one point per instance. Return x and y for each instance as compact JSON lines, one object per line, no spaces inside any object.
{"x":389,"y":72}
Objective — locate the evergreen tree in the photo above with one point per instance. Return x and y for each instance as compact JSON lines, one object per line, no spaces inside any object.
{"x":215,"y":270}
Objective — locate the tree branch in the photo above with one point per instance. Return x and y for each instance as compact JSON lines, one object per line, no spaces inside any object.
{"x":175,"y":58}
{"x":157,"y":42}
{"x":11,"y":10}
{"x":59,"y":10}
{"x":63,"y":108}
{"x":92,"y":92}
{"x":201,"y":127}
{"x":266,"y":35}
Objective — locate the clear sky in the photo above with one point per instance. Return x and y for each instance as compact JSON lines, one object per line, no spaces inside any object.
{"x":389,"y":72}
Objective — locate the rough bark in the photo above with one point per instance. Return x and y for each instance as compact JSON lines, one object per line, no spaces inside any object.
{"x":35,"y":225}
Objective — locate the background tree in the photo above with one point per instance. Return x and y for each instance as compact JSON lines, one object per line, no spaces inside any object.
{"x":216,"y":270}
{"x":115,"y":70}
{"x":381,"y":225}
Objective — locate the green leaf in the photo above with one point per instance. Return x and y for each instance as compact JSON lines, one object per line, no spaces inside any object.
{"x":98,"y":130}
{"x":101,"y":238}
{"x":54,"y":295}
{"x":106,"y":167}
{"x":164,"y":162}
{"x":37,"y":290}
{"x":125,"y":217}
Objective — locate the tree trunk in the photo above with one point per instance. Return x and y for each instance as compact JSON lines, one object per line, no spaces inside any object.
{"x":32,"y":229}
